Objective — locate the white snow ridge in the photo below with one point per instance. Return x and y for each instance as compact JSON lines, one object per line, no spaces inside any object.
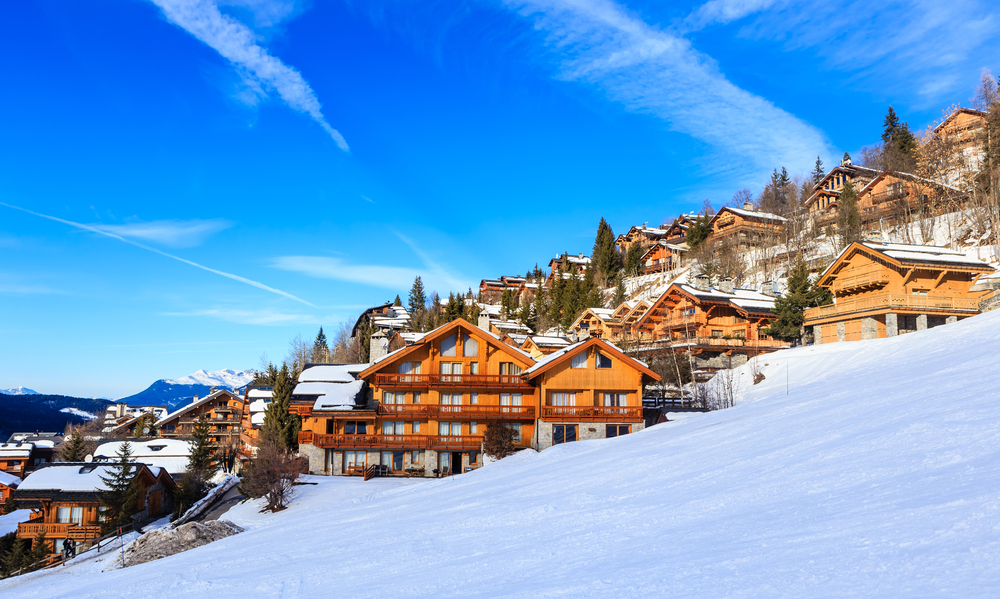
{"x":19,"y":391}
{"x":80,"y":413}
{"x":860,"y":469}
{"x":232,"y":379}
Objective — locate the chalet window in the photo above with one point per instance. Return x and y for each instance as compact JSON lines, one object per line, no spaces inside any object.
{"x":470,"y":347}
{"x":392,"y":428}
{"x":392,"y":398}
{"x":603,"y":361}
{"x":416,"y":427}
{"x":716,"y":334}
{"x":614,"y":399}
{"x":617,"y":430}
{"x":397,"y":461}
{"x":473,"y":457}
{"x":76,"y":516}
{"x":453,"y":429}
{"x":563,"y":433}
{"x":329,"y":426}
{"x":62,"y":515}
{"x":415,"y":457}
{"x":473,"y":398}
{"x":451,"y":399}
{"x":354,"y":427}
{"x":509,"y":399}
{"x":690,"y":311}
{"x":579,"y":360}
{"x":517,"y":431}
{"x":919,"y":292}
{"x":354,"y":459}
{"x":102,"y":513}
{"x":473,"y":428}
{"x":473,"y":367}
{"x":450,"y":369}
{"x":564,"y":399}
{"x":409,"y":368}
{"x":416,"y":397}
{"x":509,"y":368}
{"x":448,"y":346}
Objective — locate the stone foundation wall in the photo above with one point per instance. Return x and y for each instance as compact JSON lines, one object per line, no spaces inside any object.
{"x":316,"y":456}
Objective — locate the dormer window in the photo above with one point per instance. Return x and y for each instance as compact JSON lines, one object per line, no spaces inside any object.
{"x":88,"y":468}
{"x":155,"y":447}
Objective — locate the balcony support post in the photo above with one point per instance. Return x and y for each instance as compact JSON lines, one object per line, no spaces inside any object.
{"x":951,"y":319}
{"x":891,"y":324}
{"x":869,"y":328}
{"x":841,"y":331}
{"x":921,"y":322}
{"x":817,"y":334}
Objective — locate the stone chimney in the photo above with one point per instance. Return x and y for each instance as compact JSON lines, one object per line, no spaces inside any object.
{"x":748,"y":206}
{"x":701,"y":282}
{"x":768,"y":288}
{"x":195,"y":400}
{"x":484,"y":320}
{"x":378,"y":347}
{"x":875,"y":237}
{"x":726,"y":285}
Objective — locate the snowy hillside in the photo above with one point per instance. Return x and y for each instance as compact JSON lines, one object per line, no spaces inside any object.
{"x":231,"y":379}
{"x":19,"y":391}
{"x":865,"y":469}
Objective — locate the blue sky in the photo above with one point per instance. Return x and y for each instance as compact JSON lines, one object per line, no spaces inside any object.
{"x":189,"y":183}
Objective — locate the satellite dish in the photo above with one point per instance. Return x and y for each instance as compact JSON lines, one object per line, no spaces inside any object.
{"x":89,"y":458}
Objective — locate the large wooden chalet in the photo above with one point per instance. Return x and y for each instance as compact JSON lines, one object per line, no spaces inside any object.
{"x":885,"y":289}
{"x":744,"y":227}
{"x":962,"y":134}
{"x":597,"y":322}
{"x":65,"y":499}
{"x":423,"y":410}
{"x":822,"y":203}
{"x":663,"y":257}
{"x":569,"y":265}
{"x":222,"y":409}
{"x":721,"y":326}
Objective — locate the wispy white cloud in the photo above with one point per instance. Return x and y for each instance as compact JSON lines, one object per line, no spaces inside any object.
{"x":172,"y":233}
{"x":256,"y":317}
{"x":237,"y":43}
{"x":161,"y":252}
{"x":653,"y":71}
{"x":439,"y":272}
{"x":725,"y":11}
{"x":324,"y":267}
{"x":367,"y":199}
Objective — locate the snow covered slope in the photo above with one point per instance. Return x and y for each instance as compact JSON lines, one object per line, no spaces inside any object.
{"x":876,"y":475}
{"x":231,"y":379}
{"x":19,"y":391}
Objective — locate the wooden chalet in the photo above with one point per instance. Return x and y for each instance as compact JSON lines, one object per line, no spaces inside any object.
{"x":490,"y":290}
{"x":643,"y":235}
{"x":256,"y":398}
{"x":222,"y":409}
{"x":721,"y":326}
{"x":26,"y":452}
{"x":822,"y":203}
{"x":8,"y":484}
{"x":962,"y":134}
{"x":171,"y":455}
{"x":663,"y":257}
{"x":386,"y":318}
{"x":885,"y":289}
{"x":568,"y":265}
{"x":423,"y":410}
{"x":589,"y":390}
{"x":597,"y":322}
{"x":744,"y":227}
{"x":65,"y":500}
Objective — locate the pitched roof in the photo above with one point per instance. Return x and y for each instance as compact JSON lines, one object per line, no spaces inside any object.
{"x":75,"y":476}
{"x":213,"y":395}
{"x":554,"y":358}
{"x":909,"y":255}
{"x":9,"y":479}
{"x":748,"y":214}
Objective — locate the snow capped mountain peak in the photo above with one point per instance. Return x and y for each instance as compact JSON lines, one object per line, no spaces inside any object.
{"x":231,"y":379}
{"x":19,"y":391}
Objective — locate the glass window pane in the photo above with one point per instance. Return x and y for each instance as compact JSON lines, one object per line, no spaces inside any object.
{"x":579,"y":360}
{"x":557,"y":434}
{"x":470,"y":347}
{"x":63,"y":515}
{"x":570,"y":433}
{"x":443,"y":428}
{"x":448,"y":346}
{"x":603,"y":361}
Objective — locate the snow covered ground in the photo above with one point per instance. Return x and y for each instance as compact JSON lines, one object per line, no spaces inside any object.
{"x":80,"y":413}
{"x":864,"y":469}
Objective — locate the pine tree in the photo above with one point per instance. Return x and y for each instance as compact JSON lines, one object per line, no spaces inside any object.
{"x":699,"y":230}
{"x":781,"y":190}
{"x":539,"y":312}
{"x":848,"y":215}
{"x":899,"y":143}
{"x":145,"y":426}
{"x":321,"y":349}
{"x":889,"y":126}
{"x":39,"y":550}
{"x":818,"y":172}
{"x":801,"y":294}
{"x":633,"y":259}
{"x":194,"y":484}
{"x":74,"y":449}
{"x":527,"y":316}
{"x":621,"y":295}
{"x":280,"y":425}
{"x":397,"y":302}
{"x":604,"y":256}
{"x":120,"y":494}
{"x":16,"y":558}
{"x":417,"y":299}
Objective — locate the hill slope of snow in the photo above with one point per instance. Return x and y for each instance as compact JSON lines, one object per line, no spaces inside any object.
{"x":876,"y":475}
{"x":22,"y":390}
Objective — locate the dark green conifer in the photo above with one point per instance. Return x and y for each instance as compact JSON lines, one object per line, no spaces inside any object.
{"x":120,"y":492}
{"x":801,"y":294}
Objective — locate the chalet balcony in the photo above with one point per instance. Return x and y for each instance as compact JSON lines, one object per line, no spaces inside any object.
{"x":872,"y":278}
{"x":58,"y":530}
{"x":461,"y":412}
{"x":616,"y":413}
{"x":891,"y":302}
{"x":481,"y":381}
{"x":721,"y":343}
{"x":405,"y":442}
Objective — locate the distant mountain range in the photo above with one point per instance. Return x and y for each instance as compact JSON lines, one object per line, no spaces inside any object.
{"x":178,"y":392}
{"x":19,"y":391}
{"x":26,"y":412}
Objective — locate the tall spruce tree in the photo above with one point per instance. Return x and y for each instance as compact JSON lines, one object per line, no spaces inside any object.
{"x":818,"y":172}
{"x":280,"y":425}
{"x":539,"y":312}
{"x":417,"y":299}
{"x":848,"y":215}
{"x":200,"y":469}
{"x":321,"y":349}
{"x":620,"y":296}
{"x":397,"y":302}
{"x":801,"y":294}
{"x":633,"y":259}
{"x":699,"y":230}
{"x":604,"y":256}
{"x":73,"y":449}
{"x":120,"y":492}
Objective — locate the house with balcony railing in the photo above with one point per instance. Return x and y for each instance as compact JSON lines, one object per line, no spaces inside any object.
{"x":222,"y":409}
{"x":886,"y":289}
{"x":423,"y":409}
{"x":65,"y":499}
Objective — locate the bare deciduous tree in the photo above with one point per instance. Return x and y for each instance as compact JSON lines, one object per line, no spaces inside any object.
{"x":270,"y":474}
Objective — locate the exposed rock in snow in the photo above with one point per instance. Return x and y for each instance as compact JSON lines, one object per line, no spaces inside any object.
{"x":158,"y":544}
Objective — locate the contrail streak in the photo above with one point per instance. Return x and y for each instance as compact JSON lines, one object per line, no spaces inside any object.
{"x":162,"y":253}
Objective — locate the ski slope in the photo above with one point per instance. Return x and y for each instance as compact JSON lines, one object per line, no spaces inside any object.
{"x":864,"y":469}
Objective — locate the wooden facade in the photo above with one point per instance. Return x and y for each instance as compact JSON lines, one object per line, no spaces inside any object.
{"x":597,"y":322}
{"x":221,"y":408}
{"x":961,"y":137}
{"x":642,"y":235}
{"x":882,"y":290}
{"x":19,"y":458}
{"x":65,"y":500}
{"x":428,"y":405}
{"x":569,"y":265}
{"x":745,"y":228}
{"x":663,"y":257}
{"x":8,"y":484}
{"x":822,"y":203}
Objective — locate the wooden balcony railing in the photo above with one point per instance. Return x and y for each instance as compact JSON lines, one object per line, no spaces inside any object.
{"x":645,"y":343}
{"x":390,"y":441}
{"x":890,"y":301}
{"x":449,"y":380}
{"x":873,"y":277}
{"x":592,"y":412}
{"x":461,"y":412}
{"x":58,"y":530}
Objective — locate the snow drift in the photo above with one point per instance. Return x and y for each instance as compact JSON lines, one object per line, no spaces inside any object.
{"x":876,"y":474}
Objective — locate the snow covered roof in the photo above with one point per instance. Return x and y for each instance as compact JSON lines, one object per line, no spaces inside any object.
{"x":552,"y":357}
{"x":211,"y":396}
{"x":490,"y":309}
{"x":753,"y":213}
{"x":549,"y":341}
{"x":16,"y":450}
{"x":925,"y":253}
{"x":334,"y":396}
{"x":170,"y":454}
{"x":257,"y":418}
{"x":331,"y":373}
{"x":72,"y":477}
{"x":412,"y":337}
{"x":9,"y":479}
{"x":259,"y":393}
